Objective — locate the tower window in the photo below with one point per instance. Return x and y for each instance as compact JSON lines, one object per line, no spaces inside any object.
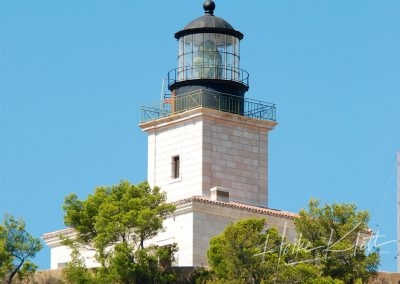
{"x":175,"y":167}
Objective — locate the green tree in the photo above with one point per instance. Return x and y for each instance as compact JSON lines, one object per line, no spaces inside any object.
{"x":338,"y":231}
{"x":17,"y":247}
{"x":5,"y":256}
{"x":330,"y":248}
{"x":232,"y":255}
{"x":247,"y":252}
{"x":116,"y":221}
{"x":75,"y":271}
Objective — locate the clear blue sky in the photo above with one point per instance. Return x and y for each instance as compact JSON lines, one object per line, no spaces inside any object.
{"x":73,"y":75}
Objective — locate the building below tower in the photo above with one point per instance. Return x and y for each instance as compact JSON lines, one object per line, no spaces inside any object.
{"x":196,"y":220}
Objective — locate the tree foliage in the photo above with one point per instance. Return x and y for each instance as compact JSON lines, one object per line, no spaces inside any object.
{"x":17,"y":248}
{"x":328,"y":249}
{"x":342,"y":232}
{"x":246,"y":252}
{"x":116,"y":221}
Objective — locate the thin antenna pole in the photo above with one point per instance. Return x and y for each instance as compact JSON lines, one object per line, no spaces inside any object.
{"x":162,"y":89}
{"x":398,"y":211}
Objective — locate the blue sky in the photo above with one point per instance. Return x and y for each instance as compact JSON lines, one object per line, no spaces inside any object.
{"x":73,"y":75}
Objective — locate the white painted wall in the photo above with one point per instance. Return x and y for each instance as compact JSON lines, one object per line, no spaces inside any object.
{"x":183,"y":139}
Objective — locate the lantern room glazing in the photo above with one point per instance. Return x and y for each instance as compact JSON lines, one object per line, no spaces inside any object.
{"x":209,"y":56}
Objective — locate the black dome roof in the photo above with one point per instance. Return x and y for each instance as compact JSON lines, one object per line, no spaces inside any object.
{"x":209,"y":24}
{"x":209,"y":21}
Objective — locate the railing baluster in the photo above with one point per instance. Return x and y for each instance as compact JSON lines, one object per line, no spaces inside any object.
{"x":200,"y":98}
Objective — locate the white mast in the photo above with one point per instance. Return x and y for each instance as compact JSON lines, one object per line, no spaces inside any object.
{"x":398,"y":211}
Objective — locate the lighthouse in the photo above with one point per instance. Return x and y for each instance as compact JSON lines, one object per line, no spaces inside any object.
{"x":208,"y":142}
{"x":207,"y":146}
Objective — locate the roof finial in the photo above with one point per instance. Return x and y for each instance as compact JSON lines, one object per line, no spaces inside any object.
{"x":209,"y":7}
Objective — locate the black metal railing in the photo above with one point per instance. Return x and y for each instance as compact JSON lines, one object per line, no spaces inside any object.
{"x":209,"y":99}
{"x":220,"y":72}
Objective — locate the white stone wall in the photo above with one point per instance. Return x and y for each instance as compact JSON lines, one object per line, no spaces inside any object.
{"x":191,"y":226}
{"x":60,"y":256}
{"x":235,"y":157}
{"x":210,"y":220}
{"x":184,"y":139}
{"x":178,"y":229}
{"x":216,"y":149}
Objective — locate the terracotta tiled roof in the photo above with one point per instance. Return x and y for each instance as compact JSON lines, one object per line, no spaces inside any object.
{"x":252,"y":208}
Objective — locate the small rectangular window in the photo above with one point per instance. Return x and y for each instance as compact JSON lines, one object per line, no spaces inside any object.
{"x":175,"y":167}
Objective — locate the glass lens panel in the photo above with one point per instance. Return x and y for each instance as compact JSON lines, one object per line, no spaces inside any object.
{"x":180,"y":68}
{"x":188,"y":43}
{"x":236,"y":46}
{"x":181,"y":44}
{"x":207,"y":60}
{"x":209,"y":56}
